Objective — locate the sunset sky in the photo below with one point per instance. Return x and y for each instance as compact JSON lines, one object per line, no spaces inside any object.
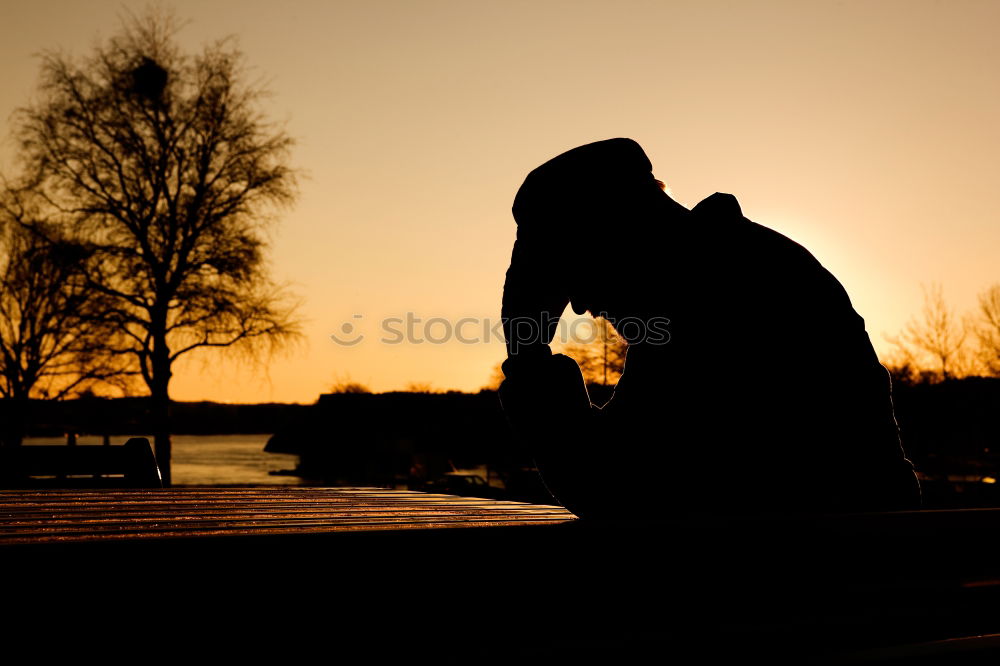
{"x":868,"y":131}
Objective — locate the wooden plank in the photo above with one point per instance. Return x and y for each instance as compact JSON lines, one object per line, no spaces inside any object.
{"x":41,"y":516}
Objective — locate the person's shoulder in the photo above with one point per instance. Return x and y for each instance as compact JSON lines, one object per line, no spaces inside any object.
{"x":768,"y":249}
{"x":772,"y":255}
{"x":720,"y":205}
{"x":723,"y":208}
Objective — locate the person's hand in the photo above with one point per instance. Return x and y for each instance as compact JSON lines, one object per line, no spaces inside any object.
{"x":533,"y":299}
{"x":543,"y":394}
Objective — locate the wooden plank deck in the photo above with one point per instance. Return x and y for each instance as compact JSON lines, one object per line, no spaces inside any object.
{"x":392,"y":575}
{"x":43,"y":516}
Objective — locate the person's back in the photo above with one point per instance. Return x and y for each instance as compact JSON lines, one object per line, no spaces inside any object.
{"x":767,"y":396}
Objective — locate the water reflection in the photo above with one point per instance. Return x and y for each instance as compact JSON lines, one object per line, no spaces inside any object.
{"x":213,"y":460}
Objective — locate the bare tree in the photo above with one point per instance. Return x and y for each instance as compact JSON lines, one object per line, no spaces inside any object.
{"x":53,"y":334}
{"x":601,"y":356}
{"x":938,"y":335}
{"x":987,"y":327}
{"x":349,"y":387}
{"x":167,"y":167}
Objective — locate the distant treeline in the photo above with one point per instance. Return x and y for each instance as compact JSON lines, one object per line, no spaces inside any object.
{"x":953,"y":424}
{"x":130,"y":416}
{"x":366,"y":438}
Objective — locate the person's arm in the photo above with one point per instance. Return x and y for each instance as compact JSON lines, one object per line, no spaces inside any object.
{"x":871,"y":463}
{"x":545,"y":399}
{"x":543,"y":394}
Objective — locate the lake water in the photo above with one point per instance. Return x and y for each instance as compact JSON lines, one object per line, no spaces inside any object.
{"x":214,"y":460}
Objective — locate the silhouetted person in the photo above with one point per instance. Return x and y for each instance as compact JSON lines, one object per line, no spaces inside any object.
{"x":750,"y":383}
